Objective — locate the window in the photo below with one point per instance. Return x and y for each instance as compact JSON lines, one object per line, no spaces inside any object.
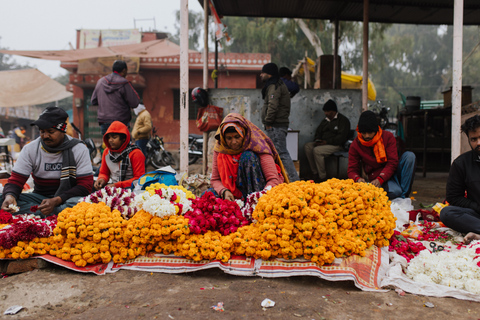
{"x":192,"y":106}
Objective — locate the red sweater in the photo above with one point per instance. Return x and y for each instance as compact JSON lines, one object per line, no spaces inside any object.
{"x":109,"y":169}
{"x":360,"y":155}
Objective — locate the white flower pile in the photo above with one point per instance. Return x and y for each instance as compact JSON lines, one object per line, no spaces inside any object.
{"x":163,"y":202}
{"x":155,"y":205}
{"x":457,"y":268}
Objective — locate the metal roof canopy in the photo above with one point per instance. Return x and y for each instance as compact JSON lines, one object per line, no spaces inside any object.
{"x":384,"y":11}
{"x":437,"y":12}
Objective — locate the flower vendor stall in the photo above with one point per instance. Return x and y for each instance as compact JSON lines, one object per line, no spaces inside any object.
{"x":336,"y":230}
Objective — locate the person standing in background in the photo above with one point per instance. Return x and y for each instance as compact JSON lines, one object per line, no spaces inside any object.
{"x":275,"y":114}
{"x":115,"y":96}
{"x":20,"y":139}
{"x":142,"y":127}
{"x":286,"y":76}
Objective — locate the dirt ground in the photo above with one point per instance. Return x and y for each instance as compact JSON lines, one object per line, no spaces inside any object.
{"x":58,"y":293}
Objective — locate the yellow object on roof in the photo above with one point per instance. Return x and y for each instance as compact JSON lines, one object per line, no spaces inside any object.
{"x":351,"y":81}
{"x":311,"y":66}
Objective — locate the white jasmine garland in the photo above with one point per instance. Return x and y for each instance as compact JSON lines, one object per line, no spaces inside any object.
{"x":155,"y":205}
{"x":457,"y":268}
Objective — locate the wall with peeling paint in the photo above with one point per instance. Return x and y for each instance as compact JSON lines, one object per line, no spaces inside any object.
{"x":305,"y":116}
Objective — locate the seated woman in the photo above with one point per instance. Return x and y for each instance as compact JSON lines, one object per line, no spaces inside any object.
{"x":122,"y":161}
{"x":244,"y":159}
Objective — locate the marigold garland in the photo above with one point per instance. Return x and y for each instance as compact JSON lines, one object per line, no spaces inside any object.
{"x":315,"y":221}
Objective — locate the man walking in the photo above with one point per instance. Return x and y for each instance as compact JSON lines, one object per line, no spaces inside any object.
{"x":275,"y":114}
{"x":115,"y":96}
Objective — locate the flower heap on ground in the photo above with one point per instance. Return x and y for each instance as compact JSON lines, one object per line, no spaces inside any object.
{"x":22,"y":236}
{"x":317,"y":221}
{"x":214,"y":214}
{"x":116,"y":198}
{"x":405,"y":247}
{"x":456,"y":268}
{"x":162,"y":201}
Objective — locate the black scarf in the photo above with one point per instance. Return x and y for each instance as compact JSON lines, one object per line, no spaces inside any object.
{"x":68,"y":177}
{"x":272,"y":80}
{"x":122,"y":156}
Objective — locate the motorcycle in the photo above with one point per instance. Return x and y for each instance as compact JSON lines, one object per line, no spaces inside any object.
{"x":157,"y":156}
{"x":382,"y":114}
{"x":195,"y":147}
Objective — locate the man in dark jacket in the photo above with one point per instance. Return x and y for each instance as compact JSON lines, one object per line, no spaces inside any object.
{"x":330,"y":137}
{"x":275,"y":113}
{"x":463,"y":186}
{"x":115,"y":96}
{"x":286,"y":76}
{"x":376,"y":151}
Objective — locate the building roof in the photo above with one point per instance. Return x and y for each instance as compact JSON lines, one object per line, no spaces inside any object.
{"x":386,"y":11}
{"x":28,"y":87}
{"x":148,"y":49}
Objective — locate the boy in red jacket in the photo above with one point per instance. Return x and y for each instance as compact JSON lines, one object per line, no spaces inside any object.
{"x":122,"y":162}
{"x":376,"y":151}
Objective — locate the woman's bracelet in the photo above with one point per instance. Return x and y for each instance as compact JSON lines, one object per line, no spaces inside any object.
{"x":223,"y":193}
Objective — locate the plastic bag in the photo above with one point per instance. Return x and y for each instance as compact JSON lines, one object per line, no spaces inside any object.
{"x":209,"y":118}
{"x":400,"y":208}
{"x":165,"y":175}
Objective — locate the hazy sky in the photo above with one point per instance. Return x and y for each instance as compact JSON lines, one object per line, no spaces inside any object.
{"x":52,"y":24}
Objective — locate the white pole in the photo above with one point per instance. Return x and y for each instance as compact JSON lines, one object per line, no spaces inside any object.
{"x":365,"y":56}
{"x":457,"y":77}
{"x":205,"y":79}
{"x":184,"y":87}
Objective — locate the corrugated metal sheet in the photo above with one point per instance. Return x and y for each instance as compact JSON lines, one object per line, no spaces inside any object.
{"x":387,"y":11}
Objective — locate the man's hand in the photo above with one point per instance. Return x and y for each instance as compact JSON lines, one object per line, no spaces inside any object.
{"x":9,"y":199}
{"x":228,"y":195}
{"x":320,"y":142}
{"x":376,"y":183}
{"x":48,"y":205}
{"x":99,"y":184}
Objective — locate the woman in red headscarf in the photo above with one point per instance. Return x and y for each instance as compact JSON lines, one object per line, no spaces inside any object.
{"x":244,"y":159}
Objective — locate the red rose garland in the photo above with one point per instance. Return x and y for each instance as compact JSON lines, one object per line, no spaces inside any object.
{"x":215,"y":214}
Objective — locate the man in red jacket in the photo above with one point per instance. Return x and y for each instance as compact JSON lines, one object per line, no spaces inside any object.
{"x":376,"y":151}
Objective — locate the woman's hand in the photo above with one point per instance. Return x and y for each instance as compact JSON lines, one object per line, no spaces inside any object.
{"x":376,"y":183}
{"x":228,"y":195}
{"x":361,"y":180}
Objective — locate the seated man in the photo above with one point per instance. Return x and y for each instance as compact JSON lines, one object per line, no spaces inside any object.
{"x":122,"y":161}
{"x":330,"y":137}
{"x":60,"y":166}
{"x":463,"y":214}
{"x":376,"y":151}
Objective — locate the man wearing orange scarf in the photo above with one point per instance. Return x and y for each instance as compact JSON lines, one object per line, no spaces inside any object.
{"x":375,"y":151}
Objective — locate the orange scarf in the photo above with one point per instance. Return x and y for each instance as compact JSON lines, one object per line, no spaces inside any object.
{"x":227,"y":169}
{"x":377,"y":144}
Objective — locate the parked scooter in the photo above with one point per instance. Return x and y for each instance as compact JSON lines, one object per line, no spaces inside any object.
{"x":157,"y":156}
{"x":195,"y":147}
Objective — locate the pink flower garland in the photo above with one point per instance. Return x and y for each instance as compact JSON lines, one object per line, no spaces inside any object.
{"x":215,"y":214}
{"x":26,"y":228}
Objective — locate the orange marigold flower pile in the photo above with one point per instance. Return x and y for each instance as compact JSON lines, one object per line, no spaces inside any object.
{"x":317,"y":221}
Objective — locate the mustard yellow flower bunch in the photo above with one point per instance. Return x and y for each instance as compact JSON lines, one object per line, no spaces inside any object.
{"x":318,"y":221}
{"x":156,"y":186}
{"x":89,"y":233}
